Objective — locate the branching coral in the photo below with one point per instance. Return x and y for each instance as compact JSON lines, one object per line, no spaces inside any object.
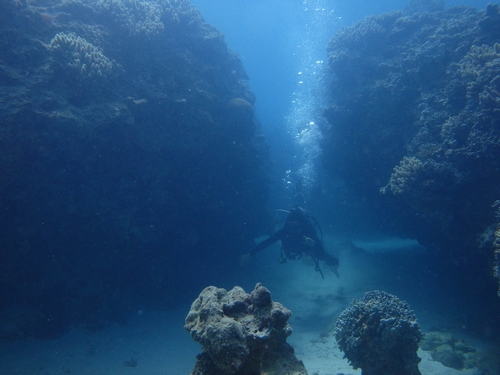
{"x":357,"y":33}
{"x":149,"y":18}
{"x":82,"y":56}
{"x":136,"y":17}
{"x":481,"y":68}
{"x":180,"y":12}
{"x":364,"y":36}
{"x":365,"y":31}
{"x":404,"y":175}
{"x":477,"y":58}
{"x":490,"y":97}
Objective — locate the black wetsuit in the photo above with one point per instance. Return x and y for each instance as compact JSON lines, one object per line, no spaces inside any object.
{"x":297,"y":237}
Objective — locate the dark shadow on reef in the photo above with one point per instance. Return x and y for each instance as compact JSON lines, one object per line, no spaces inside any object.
{"x":414,"y":127}
{"x":129,"y":158}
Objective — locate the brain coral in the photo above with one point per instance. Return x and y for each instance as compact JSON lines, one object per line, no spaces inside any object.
{"x":380,"y":334}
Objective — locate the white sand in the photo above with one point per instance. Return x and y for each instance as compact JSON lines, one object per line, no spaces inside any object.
{"x":160,"y":346}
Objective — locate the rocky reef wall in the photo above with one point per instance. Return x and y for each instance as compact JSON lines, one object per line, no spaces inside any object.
{"x":414,"y":126}
{"x":130,"y":158}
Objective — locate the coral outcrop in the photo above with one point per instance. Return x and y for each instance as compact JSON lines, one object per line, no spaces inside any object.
{"x":241,"y":333}
{"x":380,"y":334}
{"x":450,"y":350}
{"x":414,"y":110}
{"x":120,"y":169}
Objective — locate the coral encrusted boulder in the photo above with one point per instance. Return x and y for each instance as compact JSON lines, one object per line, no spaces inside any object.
{"x":242,"y":333}
{"x":380,"y":334}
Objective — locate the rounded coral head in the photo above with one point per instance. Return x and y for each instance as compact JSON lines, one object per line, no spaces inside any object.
{"x":240,"y":109}
{"x":380,"y":334}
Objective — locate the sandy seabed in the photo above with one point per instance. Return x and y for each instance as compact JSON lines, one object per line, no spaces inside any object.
{"x":155,"y":342}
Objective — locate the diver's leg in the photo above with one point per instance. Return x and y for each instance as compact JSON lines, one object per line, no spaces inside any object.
{"x":331,"y":261}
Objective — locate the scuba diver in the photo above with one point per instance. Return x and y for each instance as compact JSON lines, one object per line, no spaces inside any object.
{"x":298,"y":240}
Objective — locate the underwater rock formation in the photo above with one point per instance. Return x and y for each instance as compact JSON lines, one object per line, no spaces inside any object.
{"x":414,"y":115}
{"x":240,"y":115}
{"x":241,"y":333}
{"x":449,"y":350}
{"x":120,"y":169}
{"x":379,"y":334}
{"x":496,"y":249}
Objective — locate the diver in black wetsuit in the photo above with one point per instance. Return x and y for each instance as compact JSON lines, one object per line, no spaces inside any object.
{"x":298,"y":238}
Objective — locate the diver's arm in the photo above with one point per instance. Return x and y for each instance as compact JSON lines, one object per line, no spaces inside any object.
{"x":245,"y":259}
{"x":267,"y":242}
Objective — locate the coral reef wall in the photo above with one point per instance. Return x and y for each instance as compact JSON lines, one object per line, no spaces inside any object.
{"x":414,"y":125}
{"x":130,"y":160}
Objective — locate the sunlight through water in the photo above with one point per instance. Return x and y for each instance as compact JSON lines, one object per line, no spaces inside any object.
{"x":304,"y":118}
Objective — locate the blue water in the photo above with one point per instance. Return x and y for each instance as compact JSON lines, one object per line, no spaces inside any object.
{"x":283,"y":48}
{"x":55,"y":254}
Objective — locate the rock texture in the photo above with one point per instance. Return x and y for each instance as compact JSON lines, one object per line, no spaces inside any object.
{"x":414,"y":120}
{"x":380,"y":334}
{"x":241,"y":333}
{"x":450,"y":350}
{"x":123,"y":170}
